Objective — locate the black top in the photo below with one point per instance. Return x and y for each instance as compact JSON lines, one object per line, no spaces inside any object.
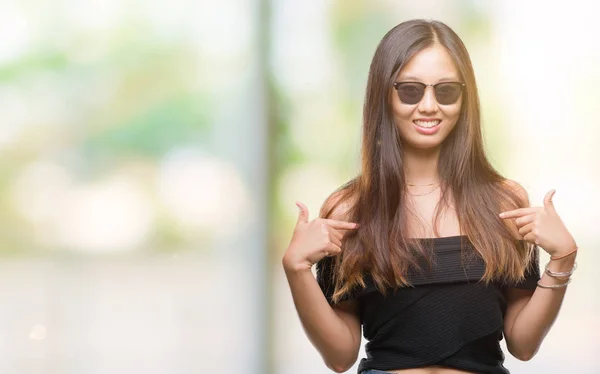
{"x":448,"y":318}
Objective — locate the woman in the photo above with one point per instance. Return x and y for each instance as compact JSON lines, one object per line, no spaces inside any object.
{"x":429,"y":249}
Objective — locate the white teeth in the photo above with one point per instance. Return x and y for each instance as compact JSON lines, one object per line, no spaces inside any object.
{"x":427,"y":124}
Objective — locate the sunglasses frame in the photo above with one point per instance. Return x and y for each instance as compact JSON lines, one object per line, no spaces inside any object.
{"x":397,"y":84}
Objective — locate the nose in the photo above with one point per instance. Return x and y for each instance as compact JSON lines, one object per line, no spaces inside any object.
{"x":428,"y":103}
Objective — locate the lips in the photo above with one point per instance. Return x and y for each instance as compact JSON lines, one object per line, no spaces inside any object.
{"x":427,"y":123}
{"x":427,"y":127}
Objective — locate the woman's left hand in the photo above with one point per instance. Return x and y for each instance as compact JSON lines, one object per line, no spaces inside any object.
{"x":542,"y":226}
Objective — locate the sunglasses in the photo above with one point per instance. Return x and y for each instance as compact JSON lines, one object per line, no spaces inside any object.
{"x":446,"y":93}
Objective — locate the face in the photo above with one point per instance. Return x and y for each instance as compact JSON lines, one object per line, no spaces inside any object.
{"x":428,"y":122}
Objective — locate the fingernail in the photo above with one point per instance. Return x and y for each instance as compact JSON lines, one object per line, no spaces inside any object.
{"x":501,"y":215}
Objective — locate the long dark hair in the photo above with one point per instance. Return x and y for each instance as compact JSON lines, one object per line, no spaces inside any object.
{"x":376,"y":197}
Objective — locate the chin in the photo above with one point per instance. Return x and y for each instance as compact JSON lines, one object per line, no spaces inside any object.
{"x":422,"y":144}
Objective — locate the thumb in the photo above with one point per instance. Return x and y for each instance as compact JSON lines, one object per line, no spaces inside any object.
{"x":548,"y":199}
{"x":303,"y":216}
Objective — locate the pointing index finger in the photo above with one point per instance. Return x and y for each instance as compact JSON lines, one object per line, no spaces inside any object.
{"x":517,"y":212}
{"x":343,"y":225}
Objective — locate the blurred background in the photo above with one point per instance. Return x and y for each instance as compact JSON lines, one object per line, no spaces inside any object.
{"x":151,"y":153}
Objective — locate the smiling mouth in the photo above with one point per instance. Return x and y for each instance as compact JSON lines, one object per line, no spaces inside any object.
{"x":427,"y":124}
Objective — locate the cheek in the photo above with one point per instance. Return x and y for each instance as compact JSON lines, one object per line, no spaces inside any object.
{"x":452,"y":113}
{"x":401,"y":112}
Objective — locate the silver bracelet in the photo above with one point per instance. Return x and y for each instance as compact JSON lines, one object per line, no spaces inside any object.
{"x":561,"y":285}
{"x":560,"y":274}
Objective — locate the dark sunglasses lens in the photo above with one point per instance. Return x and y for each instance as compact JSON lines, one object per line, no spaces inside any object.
{"x":410,"y":93}
{"x":448,"y":93}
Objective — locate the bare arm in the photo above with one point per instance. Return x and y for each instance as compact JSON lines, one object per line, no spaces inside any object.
{"x":335,"y":331}
{"x":531,"y":314}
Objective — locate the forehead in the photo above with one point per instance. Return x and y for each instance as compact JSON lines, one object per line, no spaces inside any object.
{"x":430,"y":65}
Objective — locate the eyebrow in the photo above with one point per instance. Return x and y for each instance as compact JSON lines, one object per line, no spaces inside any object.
{"x":412,"y":78}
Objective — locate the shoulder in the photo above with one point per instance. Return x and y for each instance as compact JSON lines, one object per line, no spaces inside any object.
{"x":338,"y":205}
{"x":514,"y":187}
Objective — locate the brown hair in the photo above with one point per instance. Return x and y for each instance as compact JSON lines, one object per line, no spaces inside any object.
{"x":376,"y":197}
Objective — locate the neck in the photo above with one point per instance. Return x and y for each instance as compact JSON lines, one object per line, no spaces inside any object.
{"x":421,"y":166}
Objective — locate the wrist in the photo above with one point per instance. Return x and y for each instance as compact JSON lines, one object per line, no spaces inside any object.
{"x":563,"y":247}
{"x":564,"y":264}
{"x":294,"y":267}
{"x":563,"y":254}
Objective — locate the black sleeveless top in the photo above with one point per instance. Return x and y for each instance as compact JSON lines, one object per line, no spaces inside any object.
{"x":448,"y":318}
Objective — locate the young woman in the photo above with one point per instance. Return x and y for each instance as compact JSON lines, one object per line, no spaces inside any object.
{"x":429,"y":249}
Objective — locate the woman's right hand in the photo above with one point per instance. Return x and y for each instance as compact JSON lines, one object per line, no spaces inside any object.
{"x":314,"y":240}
